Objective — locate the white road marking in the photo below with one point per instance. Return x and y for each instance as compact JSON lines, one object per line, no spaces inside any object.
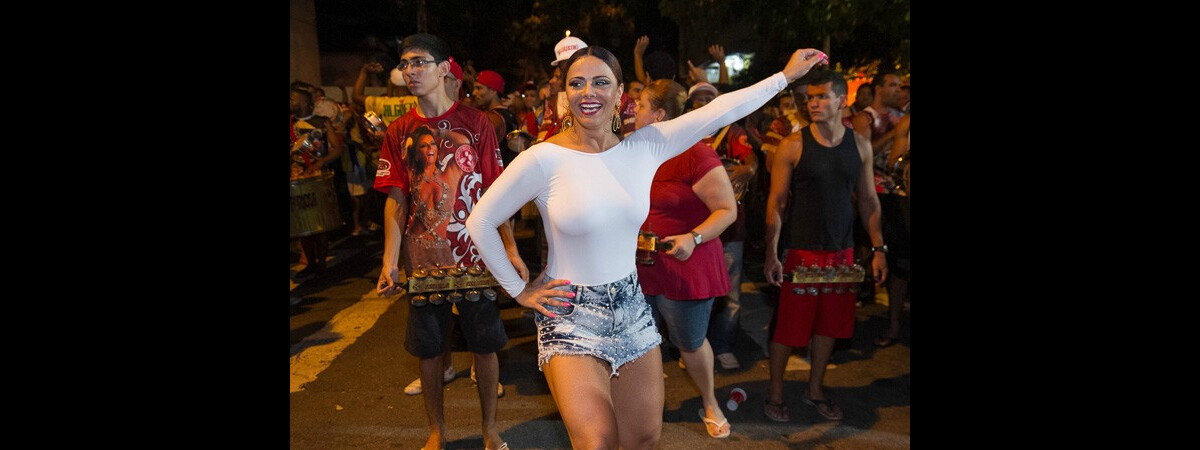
{"x":322,"y":347}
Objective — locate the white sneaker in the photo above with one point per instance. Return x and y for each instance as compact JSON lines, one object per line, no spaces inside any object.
{"x":414,"y":388}
{"x":499,"y":386}
{"x":728,"y":361}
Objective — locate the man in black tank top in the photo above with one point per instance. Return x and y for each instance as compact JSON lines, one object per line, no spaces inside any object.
{"x":814,"y":178}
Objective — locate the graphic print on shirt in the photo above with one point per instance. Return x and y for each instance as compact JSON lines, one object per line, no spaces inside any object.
{"x":441,"y":166}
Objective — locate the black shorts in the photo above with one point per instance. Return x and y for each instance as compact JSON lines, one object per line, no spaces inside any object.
{"x":430,"y":327}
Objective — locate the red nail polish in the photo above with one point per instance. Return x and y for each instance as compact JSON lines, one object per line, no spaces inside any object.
{"x":551,"y":315}
{"x":567,"y":303}
{"x":571,"y":294}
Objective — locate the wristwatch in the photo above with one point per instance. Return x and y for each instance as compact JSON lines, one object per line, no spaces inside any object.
{"x":881,"y":248}
{"x":696,"y":237}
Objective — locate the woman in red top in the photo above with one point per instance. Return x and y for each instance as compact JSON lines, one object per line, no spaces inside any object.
{"x":691,"y":203}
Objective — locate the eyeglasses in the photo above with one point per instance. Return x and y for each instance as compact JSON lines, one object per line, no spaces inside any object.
{"x":416,"y":63}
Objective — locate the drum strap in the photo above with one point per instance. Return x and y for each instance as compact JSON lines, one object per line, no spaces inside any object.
{"x":717,"y":142}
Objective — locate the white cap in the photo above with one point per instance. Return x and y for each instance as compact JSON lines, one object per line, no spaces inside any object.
{"x":565,"y":48}
{"x":397,"y":78}
{"x":703,"y":86}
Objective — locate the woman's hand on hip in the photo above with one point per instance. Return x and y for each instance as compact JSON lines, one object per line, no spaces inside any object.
{"x":537,"y":297}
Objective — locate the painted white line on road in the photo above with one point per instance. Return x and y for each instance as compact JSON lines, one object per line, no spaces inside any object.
{"x":321,"y":348}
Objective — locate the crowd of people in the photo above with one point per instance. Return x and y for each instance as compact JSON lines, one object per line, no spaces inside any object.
{"x":448,"y":162}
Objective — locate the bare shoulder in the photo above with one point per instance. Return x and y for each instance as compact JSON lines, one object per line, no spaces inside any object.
{"x":860,"y":138}
{"x":794,"y":139}
{"x":792,"y":143}
{"x":864,"y":145}
{"x":559,"y":139}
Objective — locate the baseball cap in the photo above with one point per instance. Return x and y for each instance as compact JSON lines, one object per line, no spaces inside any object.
{"x":703,"y":86}
{"x":455,"y":69}
{"x":565,"y":48}
{"x":492,"y":80}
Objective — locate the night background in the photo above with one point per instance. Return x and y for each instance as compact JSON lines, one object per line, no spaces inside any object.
{"x":516,"y":37}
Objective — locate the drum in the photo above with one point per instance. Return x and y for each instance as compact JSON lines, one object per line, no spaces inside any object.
{"x":314,"y":205}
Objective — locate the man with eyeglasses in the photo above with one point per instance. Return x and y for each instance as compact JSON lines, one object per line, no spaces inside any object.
{"x":435,"y":163}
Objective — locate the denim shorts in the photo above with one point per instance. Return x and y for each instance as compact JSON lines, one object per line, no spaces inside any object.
{"x":686,"y":320}
{"x":610,"y":321}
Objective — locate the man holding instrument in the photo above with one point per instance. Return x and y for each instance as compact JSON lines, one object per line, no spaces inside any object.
{"x":821,"y":168}
{"x":435,"y":162}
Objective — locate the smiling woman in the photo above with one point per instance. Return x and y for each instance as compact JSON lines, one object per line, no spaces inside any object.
{"x":592,"y":88}
{"x":592,"y":317}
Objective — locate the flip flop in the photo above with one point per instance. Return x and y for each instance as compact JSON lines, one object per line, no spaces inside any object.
{"x":777,"y":411}
{"x":713,"y":423}
{"x":831,"y":411}
{"x":885,"y":341}
{"x":503,"y":446}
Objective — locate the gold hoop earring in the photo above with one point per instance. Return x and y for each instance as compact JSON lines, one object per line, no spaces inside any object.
{"x":616,"y":122}
{"x":568,"y":121}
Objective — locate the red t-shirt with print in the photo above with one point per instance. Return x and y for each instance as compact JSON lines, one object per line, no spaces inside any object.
{"x":441,"y":165}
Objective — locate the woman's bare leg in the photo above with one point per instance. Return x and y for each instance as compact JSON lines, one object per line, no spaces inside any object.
{"x":580,"y":386}
{"x":637,"y":397}
{"x":700,"y":367}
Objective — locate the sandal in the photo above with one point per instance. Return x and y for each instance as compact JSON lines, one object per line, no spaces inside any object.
{"x":826,"y":408}
{"x":777,"y":411}
{"x":710,"y":424}
{"x":886,"y":341}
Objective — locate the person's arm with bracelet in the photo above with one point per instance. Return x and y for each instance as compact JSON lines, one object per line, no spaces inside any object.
{"x":869,"y":209}
{"x":717,"y":194}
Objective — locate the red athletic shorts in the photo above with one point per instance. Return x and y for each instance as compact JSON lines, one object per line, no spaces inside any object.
{"x":798,"y":316}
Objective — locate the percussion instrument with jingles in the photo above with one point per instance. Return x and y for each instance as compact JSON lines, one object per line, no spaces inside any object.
{"x":453,"y":284}
{"x":828,"y":279}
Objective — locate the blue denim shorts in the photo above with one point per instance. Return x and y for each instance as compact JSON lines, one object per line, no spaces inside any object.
{"x":610,"y":321}
{"x":686,"y":320}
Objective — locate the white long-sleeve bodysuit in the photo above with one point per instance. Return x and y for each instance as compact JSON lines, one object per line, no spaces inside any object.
{"x":592,"y":204}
